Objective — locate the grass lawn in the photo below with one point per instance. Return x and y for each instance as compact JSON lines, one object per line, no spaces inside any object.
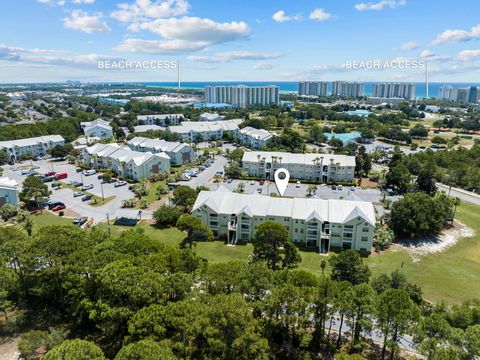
{"x":46,"y":218}
{"x":452,"y":275}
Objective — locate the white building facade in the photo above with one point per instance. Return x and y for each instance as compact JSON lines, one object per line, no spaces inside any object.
{"x":160,"y":119}
{"x":97,"y":128}
{"x":8,"y":191}
{"x":242,"y":95}
{"x":394,"y":90}
{"x":179,"y":153}
{"x":254,"y":138}
{"x":313,"y":88}
{"x":124,"y":162}
{"x":319,"y":224}
{"x":196,"y":131}
{"x":36,"y":146}
{"x":325,"y":168}
{"x":348,"y":89}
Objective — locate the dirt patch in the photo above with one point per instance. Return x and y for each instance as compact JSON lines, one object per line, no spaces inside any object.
{"x":425,"y":246}
{"x":367,"y":183}
{"x":9,"y":348}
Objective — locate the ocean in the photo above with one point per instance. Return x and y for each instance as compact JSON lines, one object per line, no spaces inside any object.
{"x":292,"y":86}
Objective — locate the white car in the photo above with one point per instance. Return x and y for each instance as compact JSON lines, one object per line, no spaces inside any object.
{"x":298,"y":184}
{"x":340,"y":187}
{"x":87,"y":187}
{"x":78,"y":193}
{"x":89,"y":172}
{"x":120,"y":183}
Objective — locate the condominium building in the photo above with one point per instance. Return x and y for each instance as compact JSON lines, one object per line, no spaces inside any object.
{"x":318,"y":167}
{"x":315,"y":223}
{"x":196,"y":131}
{"x":348,"y":89}
{"x":97,"y":128}
{"x":254,"y":138}
{"x":242,"y":95}
{"x":313,"y":88}
{"x":394,"y":90}
{"x":179,"y":153}
{"x":36,"y":146}
{"x":466,"y":95}
{"x":160,"y":119}
{"x":206,"y":116}
{"x":124,"y":162}
{"x":8,"y":191}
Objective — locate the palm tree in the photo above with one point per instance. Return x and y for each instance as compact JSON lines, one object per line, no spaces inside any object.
{"x":216,"y":179}
{"x":241,"y":186}
{"x":28,"y":225}
{"x":311,"y":189}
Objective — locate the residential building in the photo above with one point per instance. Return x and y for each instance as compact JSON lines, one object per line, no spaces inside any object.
{"x":145,"y":128}
{"x":179,"y":153}
{"x":314,"y":223}
{"x":124,"y":162}
{"x":160,"y":119}
{"x":242,"y":95}
{"x":466,"y":95}
{"x":254,"y":138}
{"x":318,"y":167}
{"x":313,"y":88}
{"x":196,"y":131}
{"x":8,"y":191}
{"x":206,"y":116}
{"x":384,"y":101}
{"x":348,"y":89}
{"x":394,"y":90}
{"x":97,"y":128}
{"x":36,"y":146}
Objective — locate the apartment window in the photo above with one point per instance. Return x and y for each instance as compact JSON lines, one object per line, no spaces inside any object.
{"x":364,"y":239}
{"x":286,"y":219}
{"x":296,"y":230}
{"x":365,"y":229}
{"x":347,"y":235}
{"x":348,"y":227}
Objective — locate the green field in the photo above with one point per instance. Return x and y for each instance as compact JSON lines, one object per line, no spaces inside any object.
{"x":452,"y":275}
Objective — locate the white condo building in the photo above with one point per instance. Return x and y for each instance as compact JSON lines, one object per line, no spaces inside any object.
{"x":179,"y":153}
{"x":348,"y":89}
{"x":206,"y":116}
{"x":394,"y":90}
{"x":37,"y":146}
{"x":8,"y":191}
{"x":254,"y":138}
{"x":242,"y":95}
{"x":318,"y":167}
{"x":98,"y":128}
{"x":196,"y":131}
{"x":313,"y":88}
{"x":160,"y":119}
{"x":124,"y":162}
{"x":315,"y":223}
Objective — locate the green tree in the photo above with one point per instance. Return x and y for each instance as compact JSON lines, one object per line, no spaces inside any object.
{"x":184,"y":196}
{"x":418,"y":131}
{"x":399,"y":178}
{"x":140,"y":189}
{"x":396,"y":315}
{"x":359,"y":312}
{"x":349,"y":266}
{"x":426,"y":181}
{"x":146,"y":350}
{"x":75,"y":350}
{"x":4,"y":158}
{"x":34,"y":189}
{"x":166,"y":216}
{"x":196,"y":230}
{"x":273,"y":245}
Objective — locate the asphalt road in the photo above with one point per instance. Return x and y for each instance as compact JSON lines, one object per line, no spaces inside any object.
{"x":463,"y":195}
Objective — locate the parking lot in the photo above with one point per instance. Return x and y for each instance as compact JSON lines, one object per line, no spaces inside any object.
{"x":75,"y":205}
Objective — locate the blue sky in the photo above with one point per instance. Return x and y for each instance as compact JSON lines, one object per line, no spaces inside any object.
{"x":215,"y":40}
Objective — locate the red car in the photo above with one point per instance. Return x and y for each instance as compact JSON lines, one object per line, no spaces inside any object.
{"x":61,"y":176}
{"x":58,"y":208}
{"x":50,"y":173}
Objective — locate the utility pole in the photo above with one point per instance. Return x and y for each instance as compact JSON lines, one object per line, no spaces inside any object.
{"x":101,"y":186}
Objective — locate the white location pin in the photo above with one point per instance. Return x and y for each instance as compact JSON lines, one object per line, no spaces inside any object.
{"x":282,"y":176}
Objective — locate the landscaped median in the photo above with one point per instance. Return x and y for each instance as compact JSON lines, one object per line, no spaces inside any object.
{"x":96,"y":200}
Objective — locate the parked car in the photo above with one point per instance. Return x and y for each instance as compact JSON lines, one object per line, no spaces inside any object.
{"x":50,"y":173}
{"x":340,"y":187}
{"x":87,"y":187}
{"x":41,"y":177}
{"x":56,"y":186}
{"x":47,"y":179}
{"x":87,"y":197}
{"x":78,"y":193}
{"x":80,"y":221}
{"x":297,"y":185}
{"x":120,"y":183}
{"x":25,"y":172}
{"x":78,"y":170}
{"x":259,"y":190}
{"x":334,"y":187}
{"x":229,"y":181}
{"x":58,"y":207}
{"x":61,"y":176}
{"x":89,"y":172}
{"x":352,"y":188}
{"x":52,"y":204}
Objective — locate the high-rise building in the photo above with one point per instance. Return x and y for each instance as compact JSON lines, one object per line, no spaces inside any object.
{"x":315,"y":88}
{"x":348,"y":89}
{"x":461,"y":95}
{"x":242,"y":95}
{"x":394,"y":90}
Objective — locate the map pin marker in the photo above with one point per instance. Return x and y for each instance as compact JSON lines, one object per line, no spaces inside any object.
{"x":282,"y":176}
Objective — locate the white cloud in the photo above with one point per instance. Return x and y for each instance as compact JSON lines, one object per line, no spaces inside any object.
{"x":160,"y":46}
{"x":458,"y":35}
{"x":147,"y":9}
{"x":426,"y":54}
{"x":223,"y":57}
{"x":468,"y":55}
{"x":83,"y":1}
{"x":379,"y":5}
{"x":81,"y":20}
{"x":263,"y":66}
{"x":409,"y":45}
{"x":52,"y":2}
{"x":320,"y":15}
{"x":281,"y":17}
